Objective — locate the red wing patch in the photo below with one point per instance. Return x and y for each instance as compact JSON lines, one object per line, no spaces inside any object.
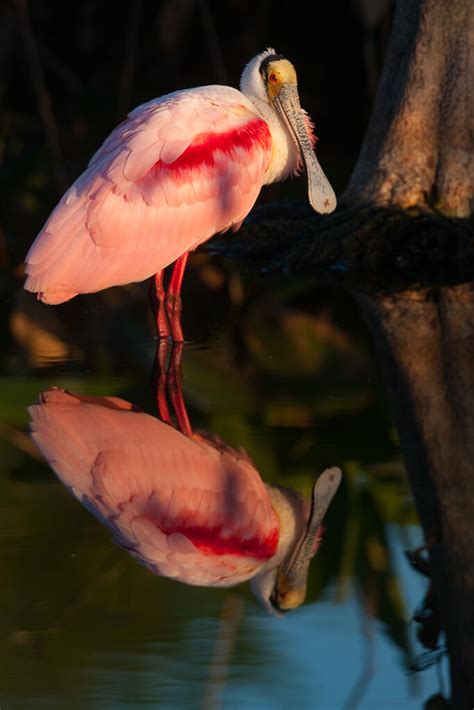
{"x":210,"y":541}
{"x":254,"y":134}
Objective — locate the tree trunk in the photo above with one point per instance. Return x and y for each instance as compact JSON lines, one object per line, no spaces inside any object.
{"x":418,"y":147}
{"x":418,"y":151}
{"x":402,"y":241}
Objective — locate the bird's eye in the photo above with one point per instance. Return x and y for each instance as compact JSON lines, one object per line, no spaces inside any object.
{"x":273,"y":77}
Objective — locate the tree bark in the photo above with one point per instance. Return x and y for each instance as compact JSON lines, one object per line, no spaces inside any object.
{"x":418,"y":147}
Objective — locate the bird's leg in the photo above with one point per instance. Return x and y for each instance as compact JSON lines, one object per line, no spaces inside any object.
{"x":175,"y":389}
{"x":173,"y":298}
{"x":157,"y":298}
{"x":158,"y":380}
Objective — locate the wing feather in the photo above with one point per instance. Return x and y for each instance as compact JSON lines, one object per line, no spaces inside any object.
{"x":205,"y":150}
{"x":183,"y":506}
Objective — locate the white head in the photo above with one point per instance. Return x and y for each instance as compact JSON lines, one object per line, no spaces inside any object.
{"x":281,"y":585}
{"x":252,"y":81}
{"x":269,"y":80}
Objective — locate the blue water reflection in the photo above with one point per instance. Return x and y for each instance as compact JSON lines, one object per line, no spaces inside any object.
{"x":327,"y":655}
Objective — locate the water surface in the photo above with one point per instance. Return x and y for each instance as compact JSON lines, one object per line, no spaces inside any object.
{"x":281,"y":369}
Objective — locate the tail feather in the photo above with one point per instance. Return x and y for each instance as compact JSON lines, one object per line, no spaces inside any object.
{"x":63,"y":272}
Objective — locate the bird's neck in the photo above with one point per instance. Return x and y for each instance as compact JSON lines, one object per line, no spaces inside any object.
{"x":292,"y":512}
{"x":286,"y":158}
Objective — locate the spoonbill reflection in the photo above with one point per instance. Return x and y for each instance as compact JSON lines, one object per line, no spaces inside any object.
{"x":186,"y":505}
{"x":178,"y":170}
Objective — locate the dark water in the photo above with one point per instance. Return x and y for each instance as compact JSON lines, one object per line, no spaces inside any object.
{"x":282,"y":369}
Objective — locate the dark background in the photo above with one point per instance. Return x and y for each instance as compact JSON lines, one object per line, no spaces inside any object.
{"x":87,"y":63}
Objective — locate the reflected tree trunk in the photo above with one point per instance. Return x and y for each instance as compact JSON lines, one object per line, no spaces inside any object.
{"x":425,"y":342}
{"x":401,"y":241}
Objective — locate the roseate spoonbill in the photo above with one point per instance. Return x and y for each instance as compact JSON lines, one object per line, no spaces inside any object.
{"x":178,"y":170}
{"x":188,"y":507}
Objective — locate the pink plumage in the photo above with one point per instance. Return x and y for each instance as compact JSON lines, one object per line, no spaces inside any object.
{"x":179,"y":169}
{"x":187,"y":507}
